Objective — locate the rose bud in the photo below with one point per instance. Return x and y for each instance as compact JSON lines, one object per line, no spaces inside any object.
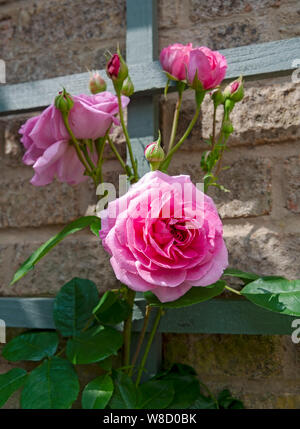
{"x":235,"y":90}
{"x":174,"y":60}
{"x":116,"y":68}
{"x":127,"y":88}
{"x":154,"y":153}
{"x":64,"y":101}
{"x":206,"y":69}
{"x":96,"y":83}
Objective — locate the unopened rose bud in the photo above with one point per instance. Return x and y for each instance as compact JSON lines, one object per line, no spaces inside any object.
{"x":235,"y":90}
{"x":127,"y":88}
{"x":154,"y":153}
{"x":116,"y":69}
{"x":64,"y":101}
{"x":96,"y":83}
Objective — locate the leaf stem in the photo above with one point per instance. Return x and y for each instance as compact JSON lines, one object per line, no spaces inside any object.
{"x":233,"y":290}
{"x":148,"y":346}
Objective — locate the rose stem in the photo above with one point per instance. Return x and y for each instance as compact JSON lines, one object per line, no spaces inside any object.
{"x":77,"y":148}
{"x":87,"y":157}
{"x":141,"y":338}
{"x":148,"y":346}
{"x":100,"y":144}
{"x":136,"y":177}
{"x":127,"y":328}
{"x":175,"y":120}
{"x":214,"y":128}
{"x":115,"y":151}
{"x":166,"y":162}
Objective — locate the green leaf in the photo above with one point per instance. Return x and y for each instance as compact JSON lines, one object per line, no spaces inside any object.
{"x":94,"y":345}
{"x":106,"y":364}
{"x":228,"y":402}
{"x":111,"y":309}
{"x":10,"y":382}
{"x":186,"y":385}
{"x":31,"y":346}
{"x":52,"y":385}
{"x":73,"y":306}
{"x":155,"y":394}
{"x":97,"y":394}
{"x":204,"y":403}
{"x":275,"y":293}
{"x":246,"y":277}
{"x":187,"y":390}
{"x":125,"y":394}
{"x":193,"y":296}
{"x":95,"y":226}
{"x":92,"y":221}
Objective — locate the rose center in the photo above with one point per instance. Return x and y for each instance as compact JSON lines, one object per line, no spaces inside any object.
{"x":179,"y":235}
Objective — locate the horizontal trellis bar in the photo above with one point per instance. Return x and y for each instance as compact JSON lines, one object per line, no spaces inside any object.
{"x":217,"y":316}
{"x":252,"y":61}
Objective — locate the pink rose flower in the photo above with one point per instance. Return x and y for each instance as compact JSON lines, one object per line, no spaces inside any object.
{"x":210,"y":66}
{"x":47,"y":141}
{"x":164,"y":235}
{"x":175,"y":58}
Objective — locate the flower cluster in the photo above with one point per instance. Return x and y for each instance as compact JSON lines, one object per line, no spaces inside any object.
{"x":200,"y":66}
{"x":164,"y":235}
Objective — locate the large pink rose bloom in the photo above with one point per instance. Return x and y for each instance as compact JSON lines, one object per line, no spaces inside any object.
{"x":175,"y":58}
{"x":210,"y":66}
{"x":165,"y":236}
{"x":47,"y":142}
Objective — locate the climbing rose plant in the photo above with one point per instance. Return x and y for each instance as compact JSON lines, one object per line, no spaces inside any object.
{"x":164,"y":237}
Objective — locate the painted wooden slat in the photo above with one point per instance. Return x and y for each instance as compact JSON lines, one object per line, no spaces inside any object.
{"x":253,"y":61}
{"x":217,"y":316}
{"x":141,"y":43}
{"x":35,"y":313}
{"x":226,"y":316}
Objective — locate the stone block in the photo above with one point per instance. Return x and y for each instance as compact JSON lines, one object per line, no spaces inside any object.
{"x":228,"y":8}
{"x":251,"y":356}
{"x":265,"y":250}
{"x":81,"y":255}
{"x":249,"y":183}
{"x":47,"y":24}
{"x":291,"y":183}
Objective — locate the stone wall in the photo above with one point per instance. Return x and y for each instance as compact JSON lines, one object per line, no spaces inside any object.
{"x":45,"y":38}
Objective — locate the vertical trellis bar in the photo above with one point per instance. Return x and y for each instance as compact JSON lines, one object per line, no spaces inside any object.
{"x":141,"y":47}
